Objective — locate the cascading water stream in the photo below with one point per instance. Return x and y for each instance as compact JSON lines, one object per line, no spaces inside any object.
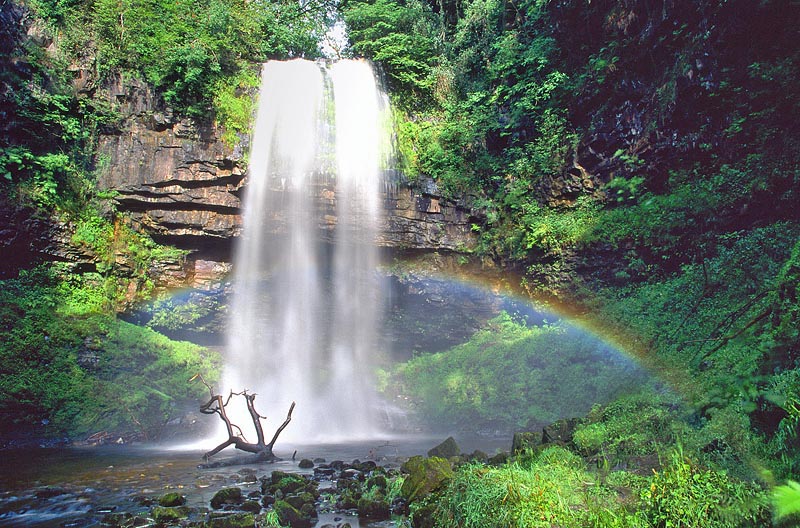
{"x":305,"y":310}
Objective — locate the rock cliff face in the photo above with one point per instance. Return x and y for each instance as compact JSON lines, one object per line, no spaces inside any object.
{"x":418,"y":217}
{"x":176,"y":179}
{"x":174,"y":176}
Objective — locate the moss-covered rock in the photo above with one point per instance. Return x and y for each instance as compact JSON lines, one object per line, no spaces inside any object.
{"x":378,"y":481}
{"x":447,"y":449}
{"x":251,"y":506}
{"x":374,"y":509}
{"x":286,"y":483}
{"x":172,"y":499}
{"x":348,"y":499}
{"x":559,"y":432}
{"x":525,"y":440}
{"x":226,"y":496}
{"x":424,"y":476}
{"x":233,"y":520}
{"x":291,"y":516}
{"x":298,"y":500}
{"x":163,"y":514}
{"x":424,"y":516}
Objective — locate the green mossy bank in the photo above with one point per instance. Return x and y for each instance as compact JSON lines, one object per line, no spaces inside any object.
{"x":74,"y":371}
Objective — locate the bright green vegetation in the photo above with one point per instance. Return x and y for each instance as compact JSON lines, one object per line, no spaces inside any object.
{"x":641,"y":161}
{"x":70,"y":367}
{"x":189,"y":50}
{"x":553,"y":487}
{"x":510,"y":376}
{"x":723,"y":335}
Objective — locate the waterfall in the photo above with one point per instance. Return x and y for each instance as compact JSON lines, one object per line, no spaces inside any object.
{"x":307,"y":298}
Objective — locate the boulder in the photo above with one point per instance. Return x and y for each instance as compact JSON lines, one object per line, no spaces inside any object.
{"x":559,"y":432}
{"x":525,"y":440}
{"x":163,"y":514}
{"x":447,"y":449}
{"x":291,"y":516}
{"x":233,"y":520}
{"x":378,"y":481}
{"x":172,"y":499}
{"x":286,"y":483}
{"x":374,"y":509}
{"x":425,"y":475}
{"x":226,"y":496}
{"x":298,"y":500}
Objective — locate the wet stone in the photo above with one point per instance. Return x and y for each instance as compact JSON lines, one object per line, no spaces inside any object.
{"x":289,"y":515}
{"x":115,"y":519}
{"x":226,"y":496}
{"x":233,"y":520}
{"x":288,"y":485}
{"x":163,"y":514}
{"x":367,"y":466}
{"x":300,"y":500}
{"x":50,"y":492}
{"x":378,"y":481}
{"x":172,"y":499}
{"x":251,"y":506}
{"x":352,"y":474}
{"x":306,"y":464}
{"x":143,"y":500}
{"x":373,"y":509}
{"x":447,"y":449}
{"x":324,"y":471}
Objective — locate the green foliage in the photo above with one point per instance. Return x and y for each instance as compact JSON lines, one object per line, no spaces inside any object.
{"x":484,"y":106}
{"x":271,"y":520}
{"x":684,"y":494}
{"x":95,"y":233}
{"x":523,"y":226}
{"x":234,"y":105}
{"x":143,"y":379}
{"x":786,"y":500}
{"x":70,"y":368}
{"x":712,"y":324}
{"x":549,"y":489}
{"x":169,"y":315}
{"x":554,"y":488}
{"x":481,"y":381}
{"x":193,"y":59}
{"x":638,"y":425}
{"x":400,"y":35}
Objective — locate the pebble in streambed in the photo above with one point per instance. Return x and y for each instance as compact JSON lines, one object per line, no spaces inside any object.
{"x":334,"y":495}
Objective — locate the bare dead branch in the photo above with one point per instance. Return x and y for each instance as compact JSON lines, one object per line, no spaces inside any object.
{"x":283,"y":426}
{"x":236,"y":438}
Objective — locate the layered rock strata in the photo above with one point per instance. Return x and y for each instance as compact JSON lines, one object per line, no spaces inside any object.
{"x":175,"y":177}
{"x":177,"y":180}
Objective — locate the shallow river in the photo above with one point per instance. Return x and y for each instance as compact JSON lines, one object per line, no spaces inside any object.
{"x":76,"y":487}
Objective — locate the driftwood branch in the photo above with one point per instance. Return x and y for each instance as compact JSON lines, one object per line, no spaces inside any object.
{"x":216,"y":405}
